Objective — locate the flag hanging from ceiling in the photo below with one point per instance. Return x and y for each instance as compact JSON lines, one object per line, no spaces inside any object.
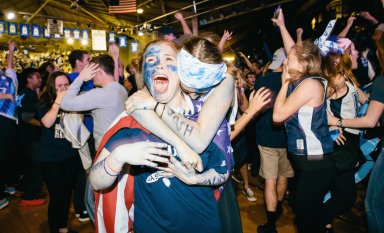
{"x":122,"y":6}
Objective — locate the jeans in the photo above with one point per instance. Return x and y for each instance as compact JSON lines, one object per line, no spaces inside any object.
{"x":374,"y":202}
{"x":90,"y":200}
{"x":33,"y":176}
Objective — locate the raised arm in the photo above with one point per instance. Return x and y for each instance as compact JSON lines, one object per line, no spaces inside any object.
{"x":198,"y":134}
{"x":114,"y":52}
{"x":368,"y":16}
{"x":299,"y":33}
{"x":50,"y":117}
{"x":249,"y":64}
{"x":226,"y":36}
{"x":287,"y":39}
{"x":346,"y":29}
{"x":11,"y":47}
{"x":181,"y":19}
{"x":121,"y":68}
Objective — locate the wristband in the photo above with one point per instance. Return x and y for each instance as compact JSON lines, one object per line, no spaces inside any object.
{"x":249,"y":116}
{"x":111,"y":167}
{"x":106,"y":169}
{"x":157,"y":104}
{"x":162,"y":112}
{"x":57,"y":103}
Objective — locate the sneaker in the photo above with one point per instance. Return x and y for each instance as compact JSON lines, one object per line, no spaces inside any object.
{"x":4,"y":203}
{"x":31,"y":202}
{"x":18,"y":193}
{"x":83,"y":216}
{"x":249,"y":194}
{"x":10,"y":190}
{"x":264,"y":229}
{"x":329,"y":230}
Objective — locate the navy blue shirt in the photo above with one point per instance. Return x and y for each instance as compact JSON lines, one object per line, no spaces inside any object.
{"x":27,"y":132}
{"x":87,"y":86}
{"x":51,"y":148}
{"x":272,"y":136}
{"x":167,"y":204}
{"x":377,"y":93}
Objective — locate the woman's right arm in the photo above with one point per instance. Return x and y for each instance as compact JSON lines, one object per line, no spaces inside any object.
{"x":108,"y":165}
{"x":50,"y":117}
{"x":287,"y":39}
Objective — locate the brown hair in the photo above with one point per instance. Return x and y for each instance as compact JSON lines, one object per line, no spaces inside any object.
{"x":204,"y":50}
{"x":48,"y":96}
{"x":345,"y":66}
{"x":308,"y":55}
{"x":211,"y":36}
{"x":380,"y":49}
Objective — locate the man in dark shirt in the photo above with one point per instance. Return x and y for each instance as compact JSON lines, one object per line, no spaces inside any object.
{"x":275,"y":167}
{"x":29,"y":134}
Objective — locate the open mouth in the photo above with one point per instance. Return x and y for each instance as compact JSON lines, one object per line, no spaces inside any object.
{"x":161,"y":83}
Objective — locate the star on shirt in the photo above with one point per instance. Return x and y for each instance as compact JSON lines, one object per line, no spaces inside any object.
{"x":229,"y":129}
{"x":229,"y":149}
{"x":198,"y":108}
{"x":218,"y":132}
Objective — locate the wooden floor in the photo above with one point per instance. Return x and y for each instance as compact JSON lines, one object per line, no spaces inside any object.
{"x":15,"y":219}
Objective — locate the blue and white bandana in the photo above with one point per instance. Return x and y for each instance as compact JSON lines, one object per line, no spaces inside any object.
{"x":326,"y":45}
{"x":196,"y":74}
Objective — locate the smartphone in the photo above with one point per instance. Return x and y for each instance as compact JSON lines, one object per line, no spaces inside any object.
{"x":276,"y":14}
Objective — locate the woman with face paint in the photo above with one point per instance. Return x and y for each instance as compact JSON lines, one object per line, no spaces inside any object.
{"x":167,"y":201}
{"x":301,"y":104}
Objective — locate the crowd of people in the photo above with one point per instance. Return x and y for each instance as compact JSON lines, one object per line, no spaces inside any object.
{"x":162,"y":149}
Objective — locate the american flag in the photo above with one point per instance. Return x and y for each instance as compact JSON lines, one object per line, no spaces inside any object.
{"x":122,"y":6}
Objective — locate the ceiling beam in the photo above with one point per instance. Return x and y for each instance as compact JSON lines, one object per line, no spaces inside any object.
{"x":38,"y":10}
{"x":51,"y":4}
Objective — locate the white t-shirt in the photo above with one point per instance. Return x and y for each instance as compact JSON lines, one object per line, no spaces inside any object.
{"x":77,"y":34}
{"x":35,"y":31}
{"x":12,"y":28}
{"x":1,"y":27}
{"x":24,"y":30}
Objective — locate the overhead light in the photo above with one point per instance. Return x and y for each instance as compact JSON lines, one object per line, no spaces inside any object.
{"x":70,"y":41}
{"x":141,"y":34}
{"x":248,"y":56}
{"x":26,"y":17}
{"x":140,"y":11}
{"x":84,"y":42}
{"x":221,"y":16}
{"x":147,"y":5}
{"x":10,"y":15}
{"x":229,"y":58}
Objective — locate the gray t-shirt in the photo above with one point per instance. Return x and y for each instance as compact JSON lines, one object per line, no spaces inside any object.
{"x":104,"y":103}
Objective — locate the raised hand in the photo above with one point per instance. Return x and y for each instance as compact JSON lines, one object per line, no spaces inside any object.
{"x":11,"y":45}
{"x":350,"y":20}
{"x":299,"y":31}
{"x":141,"y":100}
{"x":258,"y":101}
{"x":227,"y":35}
{"x":242,"y":54}
{"x":88,"y":72}
{"x":179,"y":16}
{"x":113,"y":50}
{"x":280,"y":20}
{"x":285,"y":77}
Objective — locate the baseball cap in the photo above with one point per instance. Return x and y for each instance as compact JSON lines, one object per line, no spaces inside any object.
{"x":278,"y":58}
{"x":380,"y":27}
{"x":166,"y":30}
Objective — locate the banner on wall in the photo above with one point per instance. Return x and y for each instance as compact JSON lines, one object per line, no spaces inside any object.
{"x":12,"y":28}
{"x":55,"y":26}
{"x":67,"y":33}
{"x":24,"y":30}
{"x":111,"y":37}
{"x":2,"y":27}
{"x":134,"y":47}
{"x":57,"y":36}
{"x":76,"y":34}
{"x":85,"y":34}
{"x":123,"y":41}
{"x":99,"y":41}
{"x":36,"y":31}
{"x":46,"y":34}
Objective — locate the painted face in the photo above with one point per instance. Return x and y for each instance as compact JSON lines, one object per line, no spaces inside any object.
{"x":160,"y":71}
{"x":61,"y":83}
{"x":334,"y":58}
{"x":353,"y":56}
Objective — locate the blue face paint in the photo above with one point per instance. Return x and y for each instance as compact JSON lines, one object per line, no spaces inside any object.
{"x":150,"y":68}
{"x":172,"y":68}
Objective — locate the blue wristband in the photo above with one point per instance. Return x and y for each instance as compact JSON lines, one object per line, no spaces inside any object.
{"x":106,"y":169}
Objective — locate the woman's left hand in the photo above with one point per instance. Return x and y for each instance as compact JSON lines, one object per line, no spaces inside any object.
{"x":141,"y":100}
{"x":175,"y":169}
{"x":285,"y":77}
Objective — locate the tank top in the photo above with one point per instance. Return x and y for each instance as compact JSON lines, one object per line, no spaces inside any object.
{"x":307,"y":129}
{"x":347,"y":106}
